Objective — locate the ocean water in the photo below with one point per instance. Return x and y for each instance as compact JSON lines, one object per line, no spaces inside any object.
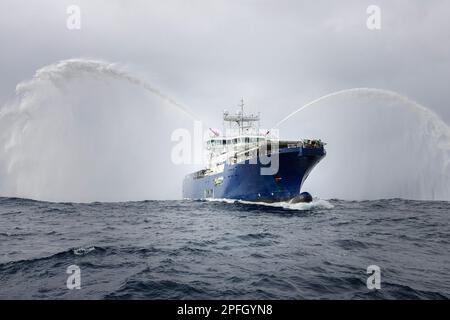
{"x":225,"y":249}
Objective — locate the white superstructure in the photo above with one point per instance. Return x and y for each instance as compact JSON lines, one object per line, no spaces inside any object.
{"x":240,"y":140}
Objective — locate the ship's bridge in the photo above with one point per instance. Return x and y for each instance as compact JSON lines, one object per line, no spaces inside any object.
{"x":241,"y":140}
{"x":224,"y":141}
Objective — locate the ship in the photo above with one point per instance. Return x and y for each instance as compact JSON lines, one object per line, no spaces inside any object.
{"x":245,"y":163}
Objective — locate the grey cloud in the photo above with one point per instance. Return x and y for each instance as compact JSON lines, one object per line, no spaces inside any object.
{"x":210,"y":53}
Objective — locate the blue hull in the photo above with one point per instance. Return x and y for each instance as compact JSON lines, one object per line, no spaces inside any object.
{"x":243,"y":181}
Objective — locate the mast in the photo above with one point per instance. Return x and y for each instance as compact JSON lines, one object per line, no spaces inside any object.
{"x":242,"y":117}
{"x":240,"y":121}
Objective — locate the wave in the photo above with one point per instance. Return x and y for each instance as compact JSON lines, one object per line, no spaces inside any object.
{"x":62,"y":255}
{"x":301,"y":206}
{"x":82,"y":251}
{"x":157,"y":289}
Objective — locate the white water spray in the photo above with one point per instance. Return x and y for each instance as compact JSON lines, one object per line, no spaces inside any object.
{"x":360,"y":91}
{"x":380,"y":145}
{"x":85,"y":130}
{"x":316,"y":204}
{"x":71,"y":68}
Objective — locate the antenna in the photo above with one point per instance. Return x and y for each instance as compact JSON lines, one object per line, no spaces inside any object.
{"x":240,"y":121}
{"x":242,"y":115}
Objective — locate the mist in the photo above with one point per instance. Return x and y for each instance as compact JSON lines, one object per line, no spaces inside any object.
{"x":380,"y":145}
{"x":85,"y":130}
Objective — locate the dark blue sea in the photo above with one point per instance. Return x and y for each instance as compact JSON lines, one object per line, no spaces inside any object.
{"x":225,"y":249}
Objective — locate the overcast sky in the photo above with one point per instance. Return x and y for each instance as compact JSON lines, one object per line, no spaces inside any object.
{"x":207,"y":54}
